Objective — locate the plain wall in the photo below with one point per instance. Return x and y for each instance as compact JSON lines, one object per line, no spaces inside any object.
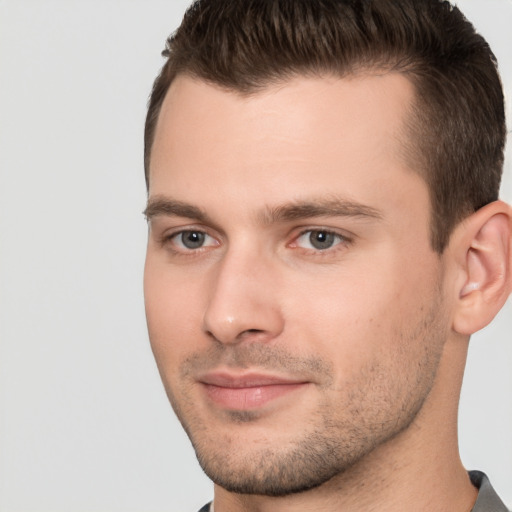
{"x":84,"y":421}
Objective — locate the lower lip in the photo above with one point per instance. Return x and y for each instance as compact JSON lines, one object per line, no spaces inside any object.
{"x":243,"y":399}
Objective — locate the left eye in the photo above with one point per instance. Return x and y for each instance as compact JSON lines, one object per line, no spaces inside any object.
{"x":319,"y":240}
{"x":190,"y":240}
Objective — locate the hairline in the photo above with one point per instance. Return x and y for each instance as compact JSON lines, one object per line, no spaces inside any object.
{"x":283,"y":79}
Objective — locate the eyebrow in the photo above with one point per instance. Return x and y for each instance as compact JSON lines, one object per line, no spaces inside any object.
{"x":160,"y":205}
{"x":333,"y":207}
{"x":295,"y":210}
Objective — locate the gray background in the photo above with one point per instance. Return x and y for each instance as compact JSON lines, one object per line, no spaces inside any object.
{"x":84,"y":423}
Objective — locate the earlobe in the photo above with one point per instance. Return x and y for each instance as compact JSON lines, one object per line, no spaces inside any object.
{"x":484,"y":243}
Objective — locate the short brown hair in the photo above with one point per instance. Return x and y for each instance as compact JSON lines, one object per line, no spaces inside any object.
{"x":457,"y":126}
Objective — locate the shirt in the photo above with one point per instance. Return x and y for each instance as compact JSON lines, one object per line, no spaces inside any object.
{"x":488,"y":500}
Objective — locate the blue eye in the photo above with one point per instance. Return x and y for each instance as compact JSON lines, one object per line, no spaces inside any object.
{"x":318,"y":239}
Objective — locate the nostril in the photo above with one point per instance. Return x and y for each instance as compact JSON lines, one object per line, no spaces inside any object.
{"x":248,"y":334}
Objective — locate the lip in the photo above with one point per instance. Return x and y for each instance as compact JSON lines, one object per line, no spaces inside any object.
{"x":249,"y":391}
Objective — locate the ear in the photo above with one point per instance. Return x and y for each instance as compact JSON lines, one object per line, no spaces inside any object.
{"x":482,"y":245}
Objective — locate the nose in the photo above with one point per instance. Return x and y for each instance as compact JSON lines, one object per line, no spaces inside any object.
{"x":243,"y":303}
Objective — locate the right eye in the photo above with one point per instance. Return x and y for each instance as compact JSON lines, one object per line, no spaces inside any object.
{"x":190,"y":240}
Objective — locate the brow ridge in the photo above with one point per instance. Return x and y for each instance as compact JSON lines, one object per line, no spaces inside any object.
{"x":161,"y":205}
{"x":319,"y":208}
{"x":288,"y":212}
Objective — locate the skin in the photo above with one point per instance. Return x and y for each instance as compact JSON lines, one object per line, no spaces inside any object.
{"x":306,"y":375}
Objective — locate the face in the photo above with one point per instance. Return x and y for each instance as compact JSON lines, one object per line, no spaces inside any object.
{"x":293,"y":300}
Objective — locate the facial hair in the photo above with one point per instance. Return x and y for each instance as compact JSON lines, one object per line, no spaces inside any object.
{"x":377,"y":406}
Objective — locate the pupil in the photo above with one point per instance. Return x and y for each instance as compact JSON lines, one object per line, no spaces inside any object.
{"x":321,"y":239}
{"x":192,"y":239}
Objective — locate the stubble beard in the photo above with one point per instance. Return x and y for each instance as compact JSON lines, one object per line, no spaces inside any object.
{"x":378,"y":407}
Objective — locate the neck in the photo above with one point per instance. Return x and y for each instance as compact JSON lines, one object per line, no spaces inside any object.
{"x":419,"y":469}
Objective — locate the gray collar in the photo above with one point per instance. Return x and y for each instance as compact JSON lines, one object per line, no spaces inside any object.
{"x":488,"y":500}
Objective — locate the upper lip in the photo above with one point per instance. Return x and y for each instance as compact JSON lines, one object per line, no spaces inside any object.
{"x":245,"y":380}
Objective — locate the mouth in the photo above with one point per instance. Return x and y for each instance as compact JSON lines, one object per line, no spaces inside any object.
{"x":249,"y":391}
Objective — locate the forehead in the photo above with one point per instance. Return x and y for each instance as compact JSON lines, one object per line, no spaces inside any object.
{"x":307,"y":134}
{"x":371,"y":106}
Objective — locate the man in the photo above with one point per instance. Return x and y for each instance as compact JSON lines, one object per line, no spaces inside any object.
{"x":325,"y":236}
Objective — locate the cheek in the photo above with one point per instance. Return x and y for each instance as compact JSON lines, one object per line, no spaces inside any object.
{"x":171,"y":313}
{"x":366,"y":315}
